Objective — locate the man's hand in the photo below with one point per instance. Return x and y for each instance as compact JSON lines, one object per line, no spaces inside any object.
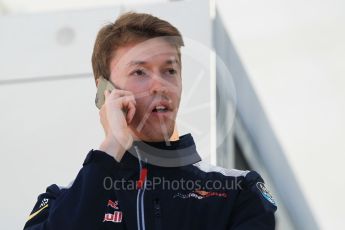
{"x":116,"y":114}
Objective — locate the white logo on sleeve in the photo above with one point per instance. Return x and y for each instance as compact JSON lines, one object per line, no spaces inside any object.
{"x":265,"y":193}
{"x":44,"y":202}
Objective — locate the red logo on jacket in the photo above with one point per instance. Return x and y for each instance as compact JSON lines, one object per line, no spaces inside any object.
{"x":116,"y":217}
{"x":113,"y":204}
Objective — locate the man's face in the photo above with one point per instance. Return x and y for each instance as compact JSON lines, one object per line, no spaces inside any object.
{"x":151,"y":70}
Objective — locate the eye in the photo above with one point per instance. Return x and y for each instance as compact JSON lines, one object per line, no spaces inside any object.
{"x":172,"y":71}
{"x":138,"y":72}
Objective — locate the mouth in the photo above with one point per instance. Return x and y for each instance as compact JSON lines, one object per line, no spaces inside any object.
{"x":161,"y":107}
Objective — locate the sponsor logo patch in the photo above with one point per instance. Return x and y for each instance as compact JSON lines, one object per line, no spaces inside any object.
{"x":44,"y":202}
{"x":265,"y":193}
{"x":115,"y":217}
{"x":113,"y":204}
{"x":200,"y":194}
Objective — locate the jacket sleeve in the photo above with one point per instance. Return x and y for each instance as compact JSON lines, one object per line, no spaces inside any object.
{"x":82,"y":205}
{"x":254,"y":207}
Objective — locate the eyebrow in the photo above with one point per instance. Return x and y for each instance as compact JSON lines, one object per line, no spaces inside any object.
{"x":169,"y":62}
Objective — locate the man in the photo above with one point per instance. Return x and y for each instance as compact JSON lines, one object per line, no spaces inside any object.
{"x":143,"y":175}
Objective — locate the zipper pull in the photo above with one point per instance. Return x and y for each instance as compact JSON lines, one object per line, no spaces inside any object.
{"x":157,"y":208}
{"x":142,"y":178}
{"x":157,"y":213}
{"x":143,"y":170}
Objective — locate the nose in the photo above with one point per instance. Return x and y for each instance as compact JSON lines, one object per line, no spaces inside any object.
{"x":158,"y":86}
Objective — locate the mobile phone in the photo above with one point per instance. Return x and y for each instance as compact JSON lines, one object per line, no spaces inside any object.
{"x":103,"y":84}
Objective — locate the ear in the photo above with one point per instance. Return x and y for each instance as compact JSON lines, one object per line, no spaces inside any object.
{"x":97,"y":80}
{"x":175,"y":136}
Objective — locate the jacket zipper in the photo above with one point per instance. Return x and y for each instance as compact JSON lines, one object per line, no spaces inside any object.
{"x":141,"y":184}
{"x":157,"y":212}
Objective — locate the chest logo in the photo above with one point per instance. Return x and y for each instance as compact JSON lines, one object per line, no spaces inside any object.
{"x":113,"y":204}
{"x":116,"y":216}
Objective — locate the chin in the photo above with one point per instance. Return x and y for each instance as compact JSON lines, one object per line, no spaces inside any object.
{"x":157,"y":137}
{"x":153,"y":131}
{"x":152,"y":136}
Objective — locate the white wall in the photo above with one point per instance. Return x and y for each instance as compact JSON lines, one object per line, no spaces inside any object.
{"x":294,"y":54}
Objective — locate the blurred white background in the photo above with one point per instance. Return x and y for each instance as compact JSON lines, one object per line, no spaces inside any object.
{"x":294,"y":53}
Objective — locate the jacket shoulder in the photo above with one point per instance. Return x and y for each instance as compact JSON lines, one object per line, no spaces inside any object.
{"x":251,"y":182}
{"x":207,"y":168}
{"x":44,"y":202}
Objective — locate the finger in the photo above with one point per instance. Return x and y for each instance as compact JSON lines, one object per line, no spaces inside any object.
{"x":128,"y":105}
{"x":120,"y":93}
{"x":130,"y":112}
{"x":123,"y":101}
{"x":126,"y":99}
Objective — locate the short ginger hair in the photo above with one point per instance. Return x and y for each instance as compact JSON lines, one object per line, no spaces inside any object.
{"x":130,"y":27}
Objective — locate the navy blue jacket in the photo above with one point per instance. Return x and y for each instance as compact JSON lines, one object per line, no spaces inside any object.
{"x":139,"y":193}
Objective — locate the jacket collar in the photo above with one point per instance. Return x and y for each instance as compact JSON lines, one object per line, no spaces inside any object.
{"x":177,"y":153}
